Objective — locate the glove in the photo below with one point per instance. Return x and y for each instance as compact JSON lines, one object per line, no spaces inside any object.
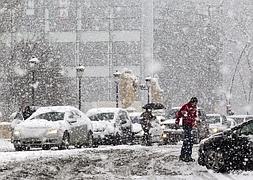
{"x":177,"y":121}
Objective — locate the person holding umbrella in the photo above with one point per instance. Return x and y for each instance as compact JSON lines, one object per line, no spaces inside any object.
{"x":145,"y":120}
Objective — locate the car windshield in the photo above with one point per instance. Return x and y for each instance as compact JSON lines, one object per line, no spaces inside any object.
{"x":172,"y":114}
{"x":238,"y":120}
{"x":50,"y":116}
{"x":102,"y":117}
{"x":213,"y":119}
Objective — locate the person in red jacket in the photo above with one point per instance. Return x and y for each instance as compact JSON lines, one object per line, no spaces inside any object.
{"x":188,"y":114}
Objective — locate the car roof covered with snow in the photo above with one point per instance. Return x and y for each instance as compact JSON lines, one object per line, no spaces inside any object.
{"x":52,"y":109}
{"x":213,"y":114}
{"x":134,"y":114}
{"x":94,"y":111}
{"x":240,"y":116}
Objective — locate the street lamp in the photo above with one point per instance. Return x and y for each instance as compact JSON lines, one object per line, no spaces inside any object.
{"x":117,"y":78}
{"x":148,"y":84}
{"x":32,"y":64}
{"x":79,"y":74}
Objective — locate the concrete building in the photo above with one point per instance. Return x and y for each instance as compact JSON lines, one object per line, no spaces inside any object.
{"x":102,"y":35}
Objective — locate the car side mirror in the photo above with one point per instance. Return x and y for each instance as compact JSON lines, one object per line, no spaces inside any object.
{"x":71,"y":121}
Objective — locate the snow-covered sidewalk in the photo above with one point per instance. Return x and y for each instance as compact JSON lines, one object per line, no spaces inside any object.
{"x":106,"y":162}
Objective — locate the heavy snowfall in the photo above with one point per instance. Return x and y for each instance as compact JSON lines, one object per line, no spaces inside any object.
{"x":76,"y":76}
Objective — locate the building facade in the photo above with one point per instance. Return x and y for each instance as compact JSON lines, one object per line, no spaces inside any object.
{"x":102,"y":35}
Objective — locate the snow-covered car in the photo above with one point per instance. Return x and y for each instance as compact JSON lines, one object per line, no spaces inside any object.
{"x":241,"y":118}
{"x":228,"y":150}
{"x":171,"y":134}
{"x":136,"y":127}
{"x":58,"y":126}
{"x":217,"y":123}
{"x":202,"y":129}
{"x":111,"y":125}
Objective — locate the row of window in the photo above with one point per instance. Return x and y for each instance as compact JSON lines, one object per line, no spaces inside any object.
{"x":59,"y":25}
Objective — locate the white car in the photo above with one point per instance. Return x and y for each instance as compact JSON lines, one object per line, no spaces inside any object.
{"x":58,"y":126}
{"x":217,"y":123}
{"x":241,"y":118}
{"x":111,"y":125}
{"x":171,"y":134}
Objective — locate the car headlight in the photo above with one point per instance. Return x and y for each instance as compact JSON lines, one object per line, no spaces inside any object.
{"x":215,"y":130}
{"x":163,"y":126}
{"x":164,"y":135}
{"x":52,"y":131}
{"x":16,"y":133}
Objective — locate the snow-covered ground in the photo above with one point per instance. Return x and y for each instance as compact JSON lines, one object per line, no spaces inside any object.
{"x":106,"y":162}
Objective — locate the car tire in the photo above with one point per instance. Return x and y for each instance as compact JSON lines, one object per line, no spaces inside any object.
{"x":116,"y":139}
{"x":65,"y":142}
{"x":215,"y":160}
{"x":18,"y":148}
{"x":201,"y":160}
{"x":46,"y":147}
{"x":78,"y":146}
{"x":90,"y":140}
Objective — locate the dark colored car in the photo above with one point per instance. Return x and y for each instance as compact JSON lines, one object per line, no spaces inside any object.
{"x":229,"y":150}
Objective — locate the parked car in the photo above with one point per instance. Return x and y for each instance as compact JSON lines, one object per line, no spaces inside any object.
{"x":58,"y":126}
{"x":241,"y":118}
{"x":136,"y":127}
{"x":217,"y":123}
{"x":171,"y":134}
{"x":111,"y":125}
{"x":231,"y":149}
{"x":202,"y":129}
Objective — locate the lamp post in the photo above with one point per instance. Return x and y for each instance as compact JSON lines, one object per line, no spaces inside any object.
{"x":116,"y":76}
{"x":79,"y":74}
{"x":148,"y":84}
{"x":32,"y":63}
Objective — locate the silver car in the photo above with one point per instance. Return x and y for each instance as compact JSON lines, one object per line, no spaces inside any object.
{"x":58,"y":126}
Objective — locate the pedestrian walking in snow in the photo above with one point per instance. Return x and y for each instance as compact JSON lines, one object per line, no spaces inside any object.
{"x":188,"y":114}
{"x":145,"y":121}
{"x":27,"y":112}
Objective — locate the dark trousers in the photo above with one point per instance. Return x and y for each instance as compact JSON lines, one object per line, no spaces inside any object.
{"x":146,"y":136}
{"x":186,"y":150}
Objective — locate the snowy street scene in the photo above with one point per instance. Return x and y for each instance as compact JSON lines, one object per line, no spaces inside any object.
{"x":107,"y":162}
{"x":126,"y":89}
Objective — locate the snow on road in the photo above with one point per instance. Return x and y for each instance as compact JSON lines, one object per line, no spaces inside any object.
{"x":106,"y":162}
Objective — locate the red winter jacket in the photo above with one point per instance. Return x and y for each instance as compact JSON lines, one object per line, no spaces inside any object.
{"x":188,"y":113}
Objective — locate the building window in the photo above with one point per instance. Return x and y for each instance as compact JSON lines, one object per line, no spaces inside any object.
{"x":63,"y":12}
{"x":30,"y":7}
{"x":63,"y":8}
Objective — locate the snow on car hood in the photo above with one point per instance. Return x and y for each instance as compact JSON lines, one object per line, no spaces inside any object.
{"x":170,"y":121}
{"x":101,"y":125}
{"x":136,"y":127}
{"x":39,"y":123}
{"x":218,"y":126}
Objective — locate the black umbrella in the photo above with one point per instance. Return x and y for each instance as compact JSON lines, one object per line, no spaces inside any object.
{"x":153,"y":106}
